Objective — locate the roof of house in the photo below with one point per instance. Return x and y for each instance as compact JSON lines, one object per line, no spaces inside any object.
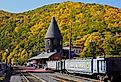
{"x":53,"y":30}
{"x":42,"y":55}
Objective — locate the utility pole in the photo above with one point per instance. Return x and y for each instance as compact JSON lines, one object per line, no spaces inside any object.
{"x":70,"y":40}
{"x":92,"y":48}
{"x":7,"y":52}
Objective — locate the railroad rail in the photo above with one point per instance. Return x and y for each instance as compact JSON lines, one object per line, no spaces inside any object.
{"x":28,"y":77}
{"x":58,"y":77}
{"x":61,"y":79}
{"x":73,"y":78}
{"x":52,"y":77}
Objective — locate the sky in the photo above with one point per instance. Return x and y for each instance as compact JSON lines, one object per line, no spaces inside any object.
{"x":19,"y":6}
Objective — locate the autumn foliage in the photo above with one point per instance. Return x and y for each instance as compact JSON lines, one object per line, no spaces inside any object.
{"x":23,"y":33}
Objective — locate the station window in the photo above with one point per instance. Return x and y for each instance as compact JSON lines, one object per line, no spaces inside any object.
{"x":55,"y":42}
{"x":48,"y":42}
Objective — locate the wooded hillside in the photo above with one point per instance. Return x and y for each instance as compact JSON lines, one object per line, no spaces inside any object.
{"x":23,"y":33}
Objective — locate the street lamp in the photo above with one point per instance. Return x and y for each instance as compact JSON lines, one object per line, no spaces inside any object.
{"x":7,"y":51}
{"x":92,"y":47}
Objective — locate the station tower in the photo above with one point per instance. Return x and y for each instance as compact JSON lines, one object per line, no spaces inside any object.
{"x":53,"y":38}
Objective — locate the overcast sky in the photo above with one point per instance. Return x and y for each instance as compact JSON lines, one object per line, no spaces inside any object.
{"x":16,"y":6}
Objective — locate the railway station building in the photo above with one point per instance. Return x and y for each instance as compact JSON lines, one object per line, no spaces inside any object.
{"x":53,"y":45}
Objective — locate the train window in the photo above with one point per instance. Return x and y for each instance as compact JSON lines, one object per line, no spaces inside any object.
{"x":102,"y":65}
{"x":76,"y":50}
{"x":79,"y":51}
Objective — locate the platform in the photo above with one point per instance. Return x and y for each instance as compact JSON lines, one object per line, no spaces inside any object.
{"x":36,"y":70}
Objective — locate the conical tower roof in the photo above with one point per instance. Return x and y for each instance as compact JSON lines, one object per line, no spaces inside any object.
{"x":53,"y":30}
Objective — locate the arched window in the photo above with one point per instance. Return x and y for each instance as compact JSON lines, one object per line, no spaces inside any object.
{"x":48,"y":50}
{"x":48,"y":42}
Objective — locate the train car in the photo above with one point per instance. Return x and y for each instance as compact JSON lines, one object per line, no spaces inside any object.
{"x":51,"y":65}
{"x":112,"y":67}
{"x":82,"y":66}
{"x":54,"y":65}
{"x":103,"y":68}
{"x":107,"y":68}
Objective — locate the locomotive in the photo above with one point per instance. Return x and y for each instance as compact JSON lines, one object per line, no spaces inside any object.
{"x":103,"y":68}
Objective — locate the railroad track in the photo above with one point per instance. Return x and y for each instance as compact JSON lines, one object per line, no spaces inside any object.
{"x":28,"y":77}
{"x":57,"y":77}
{"x":73,"y":78}
{"x":61,"y":79}
{"x":53,"y":77}
{"x":84,"y":78}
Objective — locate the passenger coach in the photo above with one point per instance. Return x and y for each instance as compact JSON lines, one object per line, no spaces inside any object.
{"x":103,"y":68}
